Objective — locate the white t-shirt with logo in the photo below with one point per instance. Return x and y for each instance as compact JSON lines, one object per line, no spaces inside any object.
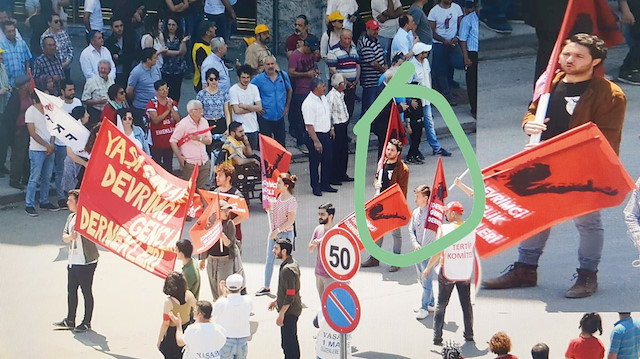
{"x":250,"y":96}
{"x":446,"y":20}
{"x":32,"y":115}
{"x":203,"y":340}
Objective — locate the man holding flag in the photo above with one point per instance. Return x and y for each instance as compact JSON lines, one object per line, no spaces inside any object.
{"x":577,"y":96}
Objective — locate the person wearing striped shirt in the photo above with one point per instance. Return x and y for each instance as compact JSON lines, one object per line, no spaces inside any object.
{"x":343,"y":59}
{"x":372,"y":63}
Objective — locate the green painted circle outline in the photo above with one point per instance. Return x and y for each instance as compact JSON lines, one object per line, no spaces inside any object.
{"x":398,"y":87}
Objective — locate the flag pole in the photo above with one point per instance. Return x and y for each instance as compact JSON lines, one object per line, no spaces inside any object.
{"x":462,"y":175}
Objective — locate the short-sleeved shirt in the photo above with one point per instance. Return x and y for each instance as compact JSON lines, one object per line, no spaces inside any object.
{"x":316,"y":112}
{"x":369,"y":50}
{"x":193,"y":151}
{"x":248,"y":96}
{"x":203,"y":340}
{"x":280,"y":211}
{"x":344,"y":61}
{"x":446,"y":20}
{"x":292,"y":42}
{"x":32,"y":115}
{"x":389,"y":27}
{"x":234,"y":147}
{"x":161,"y":133}
{"x":625,"y":339}
{"x":585,"y":348}
{"x":96,"y":21}
{"x":302,"y":62}
{"x":232,"y":313}
{"x":255,"y":54}
{"x":96,"y":88}
{"x":213,"y":7}
{"x":402,"y":42}
{"x":213,"y":61}
{"x":142,"y":80}
{"x":15,"y":57}
{"x":469,"y":31}
{"x":423,"y":29}
{"x":213,"y":104}
{"x":318,"y":233}
{"x":273,"y":94}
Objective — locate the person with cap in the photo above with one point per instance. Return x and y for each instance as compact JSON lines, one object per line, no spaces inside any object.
{"x":386,"y":12}
{"x":343,"y":58}
{"x":201,"y":49}
{"x":423,"y":77}
{"x":215,"y":61}
{"x":468,"y":34}
{"x":423,"y":30}
{"x":347,"y":8}
{"x":454,"y":261}
{"x":372,"y":63}
{"x":288,"y":302}
{"x":405,"y":37}
{"x":256,"y":52}
{"x":93,"y":53}
{"x":222,"y":257}
{"x":232,"y":311}
{"x":16,"y":52}
{"x":301,"y":32}
{"x":202,"y":339}
{"x":331,"y":37}
{"x":303,"y":69}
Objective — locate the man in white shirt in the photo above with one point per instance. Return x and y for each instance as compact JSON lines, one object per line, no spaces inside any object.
{"x":202,"y":339}
{"x":317,"y":119}
{"x":244,"y":98}
{"x":92,"y":54}
{"x":387,"y":13}
{"x":405,"y":37}
{"x":232,"y":312}
{"x":92,"y":17}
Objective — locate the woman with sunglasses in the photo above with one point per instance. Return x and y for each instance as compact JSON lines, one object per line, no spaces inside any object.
{"x":215,"y":104}
{"x":117,"y":100}
{"x":135,"y":133}
{"x":174,"y":63}
{"x":332,"y":35}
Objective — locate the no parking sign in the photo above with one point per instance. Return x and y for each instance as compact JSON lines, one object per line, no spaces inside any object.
{"x":341,"y":307}
{"x":339,"y":254}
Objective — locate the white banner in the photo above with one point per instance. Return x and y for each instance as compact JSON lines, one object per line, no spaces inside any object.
{"x":62,"y":125}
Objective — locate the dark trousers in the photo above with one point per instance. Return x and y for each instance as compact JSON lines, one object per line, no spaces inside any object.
{"x":95,"y":116}
{"x":223,"y":28}
{"x":289,"y":335}
{"x":495,"y":10}
{"x":20,"y":168}
{"x":273,"y":129}
{"x":80,"y":276}
{"x":174,"y":81}
{"x":416,"y":136}
{"x":139,"y":118}
{"x":445,"y":288}
{"x":192,"y":23}
{"x":472,"y":81}
{"x":253,"y":141}
{"x":350,"y":100}
{"x":163,"y":157}
{"x":169,"y":347}
{"x":321,"y":180}
{"x":296,"y":123}
{"x":546,"y":40}
{"x":5,"y":140}
{"x":445,"y":59}
{"x":121,"y":79}
{"x":368,"y":97}
{"x":340,"y":151}
{"x":632,"y":60}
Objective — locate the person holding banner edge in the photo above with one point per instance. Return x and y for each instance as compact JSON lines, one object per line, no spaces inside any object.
{"x":577,"y":97}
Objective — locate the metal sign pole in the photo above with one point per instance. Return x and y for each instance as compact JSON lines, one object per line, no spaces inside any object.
{"x":343,"y":346}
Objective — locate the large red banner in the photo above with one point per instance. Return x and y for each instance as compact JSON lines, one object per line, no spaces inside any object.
{"x":567,"y":176}
{"x":275,"y":160}
{"x":435,"y":208}
{"x":385,"y":212}
{"x":131,"y":205}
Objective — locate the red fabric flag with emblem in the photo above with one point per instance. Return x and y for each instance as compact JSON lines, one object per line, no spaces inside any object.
{"x":275,"y":160}
{"x":395,"y":129}
{"x":435,"y":208}
{"x":238,"y":203}
{"x":206,"y":232}
{"x":385,"y":212}
{"x":569,"y":175}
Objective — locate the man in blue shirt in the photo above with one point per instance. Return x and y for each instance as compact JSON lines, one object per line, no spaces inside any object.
{"x":468,"y":35}
{"x":275,"y":95}
{"x":405,"y":37}
{"x":16,"y":52}
{"x":140,"y":86}
{"x":625,"y":338}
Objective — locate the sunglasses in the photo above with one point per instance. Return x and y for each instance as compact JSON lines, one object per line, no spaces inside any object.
{"x":121,"y":92}
{"x":57,"y":21}
{"x":128,"y":118}
{"x":212,"y":79}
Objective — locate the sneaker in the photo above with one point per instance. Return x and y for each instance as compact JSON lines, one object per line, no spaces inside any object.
{"x":410,"y":161}
{"x":50,"y":207}
{"x":62,"y":204}
{"x":263,"y":291}
{"x":394,"y":269}
{"x":631,"y":78}
{"x":431,"y":308}
{"x":500,"y":27}
{"x":31,"y":211}
{"x":442,"y":152}
{"x":64,"y":323}
{"x":82,"y":328}
{"x":422,"y":314}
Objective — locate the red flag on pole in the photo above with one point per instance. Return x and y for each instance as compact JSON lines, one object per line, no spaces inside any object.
{"x":206,"y":232}
{"x":569,"y":175}
{"x":395,"y":129}
{"x":238,"y":203}
{"x":435,"y":208}
{"x":275,"y":160}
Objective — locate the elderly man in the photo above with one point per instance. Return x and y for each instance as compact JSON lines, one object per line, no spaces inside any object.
{"x":16,"y":52}
{"x":214,"y":60}
{"x":95,"y":95}
{"x":405,"y":38}
{"x":258,"y":51}
{"x":343,"y":59}
{"x":92,"y":54}
{"x":317,"y":119}
{"x":275,"y":93}
{"x":47,"y":68}
{"x":140,"y":86}
{"x":64,"y":49}
{"x":372,"y":64}
{"x":189,"y":141}
{"x":340,"y":122}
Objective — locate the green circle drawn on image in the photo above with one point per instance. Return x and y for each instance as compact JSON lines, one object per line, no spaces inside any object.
{"x":398,"y":87}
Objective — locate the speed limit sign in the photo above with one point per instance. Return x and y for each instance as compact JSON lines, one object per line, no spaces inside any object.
{"x":339,"y":254}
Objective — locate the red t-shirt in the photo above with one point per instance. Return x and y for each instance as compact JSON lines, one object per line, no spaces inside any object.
{"x":585,"y":348}
{"x":161,"y":133}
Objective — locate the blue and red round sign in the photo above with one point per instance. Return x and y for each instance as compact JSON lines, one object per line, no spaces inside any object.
{"x":341,"y":307}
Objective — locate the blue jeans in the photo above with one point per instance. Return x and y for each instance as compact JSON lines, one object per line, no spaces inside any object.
{"x":427,"y":285}
{"x":234,"y":348}
{"x":268,"y":269}
{"x":369,"y":95}
{"x":589,"y":250}
{"x":41,"y":170}
{"x":430,"y":128}
{"x":445,"y":59}
{"x":60,"y":155}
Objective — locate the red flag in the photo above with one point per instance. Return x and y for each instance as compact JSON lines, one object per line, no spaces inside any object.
{"x":395,"y":129}
{"x":581,"y":16}
{"x":208,"y":228}
{"x":435,"y":208}
{"x":275,"y":160}
{"x":131,"y":205}
{"x":238,"y":203}
{"x":567,"y":176}
{"x":385,"y":212}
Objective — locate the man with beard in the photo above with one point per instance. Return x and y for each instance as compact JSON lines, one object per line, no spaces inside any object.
{"x":238,"y":147}
{"x":301,"y":33}
{"x":258,"y":51}
{"x":326,"y":212}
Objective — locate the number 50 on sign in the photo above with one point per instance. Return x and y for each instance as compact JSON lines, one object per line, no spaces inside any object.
{"x":339,"y":254}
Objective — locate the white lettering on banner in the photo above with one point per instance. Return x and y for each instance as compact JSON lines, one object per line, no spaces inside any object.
{"x":506,"y":203}
{"x":489,"y":235}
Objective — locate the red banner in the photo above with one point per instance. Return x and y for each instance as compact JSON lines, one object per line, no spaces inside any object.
{"x":395,"y":129}
{"x":238,"y":203}
{"x":206,"y":232}
{"x":567,"y":176}
{"x":131,"y":205}
{"x":275,"y":160}
{"x":385,"y":212}
{"x":581,"y":16}
{"x":436,"y":207}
